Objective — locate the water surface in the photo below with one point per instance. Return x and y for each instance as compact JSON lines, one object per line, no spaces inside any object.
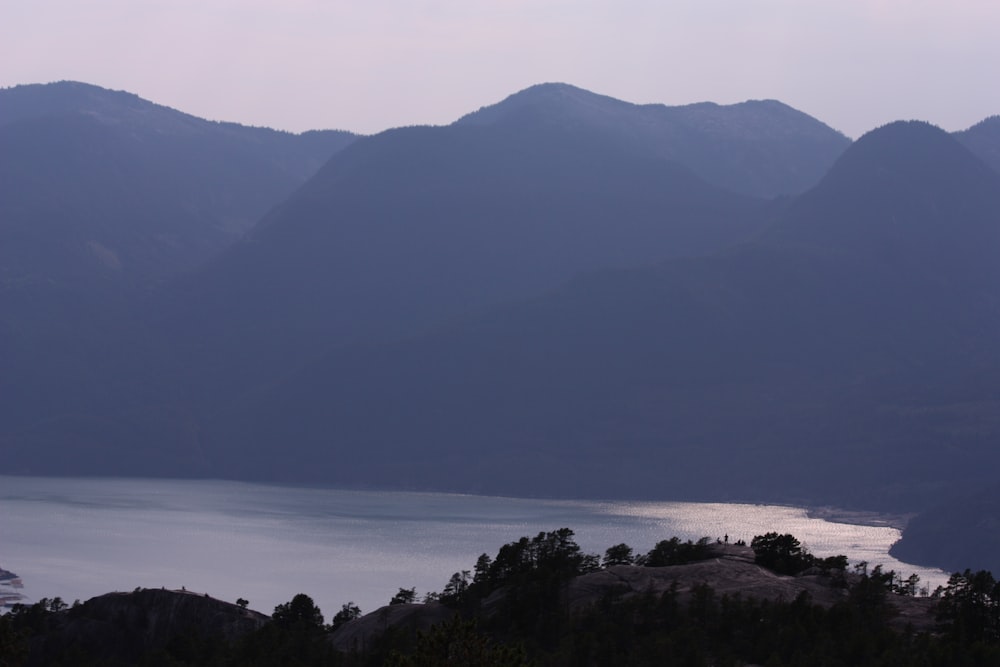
{"x":80,"y":537}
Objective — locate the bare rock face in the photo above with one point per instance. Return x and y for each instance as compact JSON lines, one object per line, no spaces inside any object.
{"x":733,"y":572}
{"x":730,"y":571}
{"x":725,"y":576}
{"x":119,"y":628}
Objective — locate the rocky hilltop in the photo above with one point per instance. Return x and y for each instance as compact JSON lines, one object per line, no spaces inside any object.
{"x":122,"y":628}
{"x":730,"y":570}
{"x":542,"y":601}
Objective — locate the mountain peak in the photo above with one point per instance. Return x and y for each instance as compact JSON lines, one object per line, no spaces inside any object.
{"x":983,"y":139}
{"x":785,"y":151}
{"x":73,"y":99}
{"x":913,"y":154}
{"x":67,"y":97}
{"x":907,"y":193}
{"x":903,"y":139}
{"x":551,"y":100}
{"x":988,"y":124}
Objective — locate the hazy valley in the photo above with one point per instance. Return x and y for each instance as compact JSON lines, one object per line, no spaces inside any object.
{"x":559,"y":295}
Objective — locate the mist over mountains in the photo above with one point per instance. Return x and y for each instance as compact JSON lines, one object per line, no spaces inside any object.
{"x":560,"y":294}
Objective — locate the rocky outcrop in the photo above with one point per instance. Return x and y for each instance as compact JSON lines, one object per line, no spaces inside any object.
{"x":730,"y":571}
{"x":121,"y":628}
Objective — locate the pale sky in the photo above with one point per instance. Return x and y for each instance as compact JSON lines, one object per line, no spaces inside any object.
{"x":369,"y":65}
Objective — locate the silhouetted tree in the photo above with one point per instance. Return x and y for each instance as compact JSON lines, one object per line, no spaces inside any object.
{"x":300,"y":611}
{"x":404,"y":596}
{"x":456,"y":587}
{"x":348,"y":612}
{"x":780,"y":553}
{"x":675,"y":552}
{"x":13,"y":645}
{"x":481,"y":572}
{"x":620,"y":554}
{"x":969,"y":608}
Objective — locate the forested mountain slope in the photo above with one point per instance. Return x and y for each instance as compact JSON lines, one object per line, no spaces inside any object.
{"x":838,"y":356}
{"x":759,"y":147}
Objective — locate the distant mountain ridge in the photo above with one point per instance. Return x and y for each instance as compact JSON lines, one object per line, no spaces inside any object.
{"x":119,"y":107}
{"x":398,"y":233}
{"x":762,"y":147}
{"x":983,"y":139}
{"x":432,"y":223}
{"x":106,"y":180}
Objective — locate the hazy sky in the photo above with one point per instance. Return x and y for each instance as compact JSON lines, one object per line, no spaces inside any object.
{"x":373,"y":64}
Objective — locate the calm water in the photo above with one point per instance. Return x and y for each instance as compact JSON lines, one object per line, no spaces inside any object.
{"x":77,"y":538}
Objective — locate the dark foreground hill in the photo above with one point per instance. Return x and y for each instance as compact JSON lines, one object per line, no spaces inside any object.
{"x":127,"y":628}
{"x":542,"y":601}
{"x":728,"y":570}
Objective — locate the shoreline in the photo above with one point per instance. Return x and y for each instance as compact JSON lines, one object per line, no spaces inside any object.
{"x":860,"y":517}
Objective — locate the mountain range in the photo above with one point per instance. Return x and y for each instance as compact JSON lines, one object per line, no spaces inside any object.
{"x":847,"y":338}
{"x":560,"y":294}
{"x":759,"y":147}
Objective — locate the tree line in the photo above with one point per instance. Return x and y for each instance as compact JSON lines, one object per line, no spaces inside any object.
{"x":528,"y":623}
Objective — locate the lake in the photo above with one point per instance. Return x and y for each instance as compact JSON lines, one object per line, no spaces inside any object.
{"x":80,"y":537}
